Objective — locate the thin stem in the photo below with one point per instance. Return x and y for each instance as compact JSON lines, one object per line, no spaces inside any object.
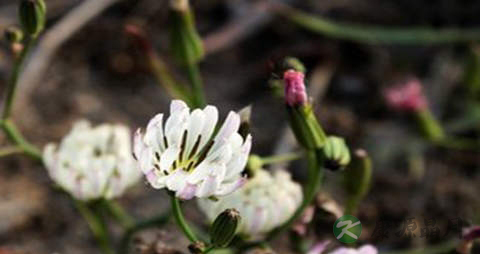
{"x":120,"y":215}
{"x":164,"y":77}
{"x":375,"y":34}
{"x":182,"y":223}
{"x":148,"y":223}
{"x":15,"y":136}
{"x":315,"y":174}
{"x":458,"y":143}
{"x":12,"y":82}
{"x":198,"y":95}
{"x":96,"y":225}
{"x":6,"y":151}
{"x":282,"y":158}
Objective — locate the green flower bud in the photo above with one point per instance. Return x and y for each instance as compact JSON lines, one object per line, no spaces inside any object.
{"x":336,"y":153}
{"x":303,"y":122}
{"x":13,"y":35}
{"x":32,"y":15}
{"x":185,"y":42}
{"x":224,"y":228}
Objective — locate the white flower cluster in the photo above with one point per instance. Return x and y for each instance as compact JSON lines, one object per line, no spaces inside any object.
{"x":265,"y":202}
{"x":186,"y":157}
{"x":92,"y":163}
{"x":365,"y":249}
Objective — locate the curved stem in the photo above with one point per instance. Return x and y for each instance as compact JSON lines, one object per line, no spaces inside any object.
{"x":15,"y":136}
{"x":375,"y":34}
{"x":282,"y":158}
{"x":12,"y":82}
{"x":96,"y":225}
{"x":182,"y":223}
{"x":6,"y":151}
{"x":315,"y":174}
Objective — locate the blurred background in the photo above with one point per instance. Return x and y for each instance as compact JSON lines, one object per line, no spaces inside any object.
{"x":99,"y":74}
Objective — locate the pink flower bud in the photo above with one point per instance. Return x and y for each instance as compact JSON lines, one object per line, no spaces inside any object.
{"x":295,"y":93}
{"x":407,"y":96}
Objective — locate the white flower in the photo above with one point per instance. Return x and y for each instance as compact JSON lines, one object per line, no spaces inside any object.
{"x":184,"y":156}
{"x":365,"y":249}
{"x":264,"y":203}
{"x":93,"y":163}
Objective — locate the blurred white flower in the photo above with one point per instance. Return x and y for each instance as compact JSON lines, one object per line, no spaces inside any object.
{"x":93,"y":163}
{"x":365,"y":249}
{"x":264,"y":203}
{"x":186,"y":157}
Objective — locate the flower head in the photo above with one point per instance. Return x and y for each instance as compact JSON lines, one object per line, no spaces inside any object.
{"x":407,"y":96}
{"x":92,"y":163}
{"x":295,"y":93}
{"x":264,"y":203}
{"x":365,"y":249}
{"x":186,"y":157}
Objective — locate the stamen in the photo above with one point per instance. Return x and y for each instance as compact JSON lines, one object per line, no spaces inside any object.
{"x":204,"y":152}
{"x":195,"y":147}
{"x":165,"y":142}
{"x":182,"y":146}
{"x":157,"y":155}
{"x":190,"y":165}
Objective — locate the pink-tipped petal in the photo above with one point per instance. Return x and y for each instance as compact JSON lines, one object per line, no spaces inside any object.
{"x":295,"y":92}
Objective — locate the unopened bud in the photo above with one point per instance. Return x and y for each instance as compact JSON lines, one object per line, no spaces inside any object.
{"x":32,"y":15}
{"x":407,"y":96}
{"x":336,"y":153}
{"x":224,"y":228}
{"x":295,"y":92}
{"x":185,"y":42}
{"x":13,"y":35}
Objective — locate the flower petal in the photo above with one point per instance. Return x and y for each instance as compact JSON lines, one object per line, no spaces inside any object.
{"x":168,"y":157}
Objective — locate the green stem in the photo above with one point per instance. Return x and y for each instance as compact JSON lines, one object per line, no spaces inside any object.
{"x":377,"y":35}
{"x":12,"y":82}
{"x":458,"y":143}
{"x":351,"y":205}
{"x":120,"y":215}
{"x":282,"y":158}
{"x":315,"y":175}
{"x":15,"y":136}
{"x":96,"y":225}
{"x":165,"y":79}
{"x":6,"y":151}
{"x":198,"y":95}
{"x":182,"y":223}
{"x":148,"y":223}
